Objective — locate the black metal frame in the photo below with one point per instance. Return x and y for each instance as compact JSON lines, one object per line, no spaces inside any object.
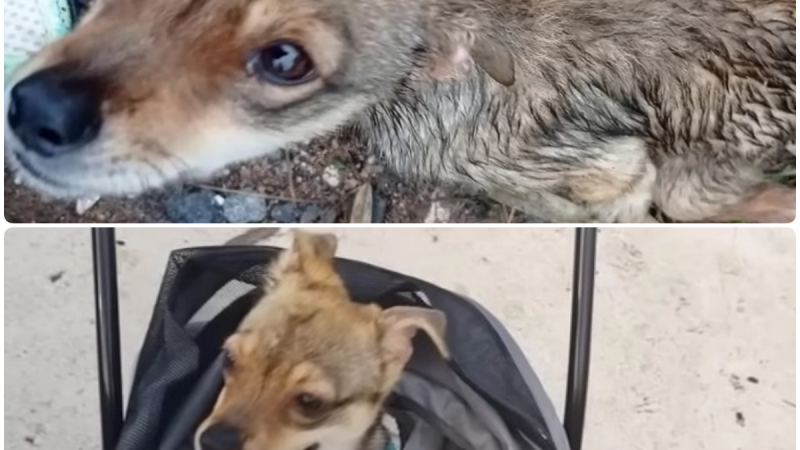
{"x":109,"y":352}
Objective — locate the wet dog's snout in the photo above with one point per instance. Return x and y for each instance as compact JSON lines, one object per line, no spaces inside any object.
{"x":54,"y":111}
{"x":220,"y":436}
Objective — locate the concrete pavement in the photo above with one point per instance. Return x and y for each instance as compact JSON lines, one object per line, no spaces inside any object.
{"x":694,"y":342}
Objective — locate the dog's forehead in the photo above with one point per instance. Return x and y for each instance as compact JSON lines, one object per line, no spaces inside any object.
{"x":341,"y":342}
{"x":313,"y":327}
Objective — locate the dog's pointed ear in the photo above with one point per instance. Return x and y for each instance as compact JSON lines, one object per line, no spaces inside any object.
{"x":400,"y":324}
{"x":314,"y":245}
{"x":454,"y":54}
{"x":495,"y":59}
{"x":310,"y":255}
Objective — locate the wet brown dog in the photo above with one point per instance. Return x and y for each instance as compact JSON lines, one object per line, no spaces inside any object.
{"x":308,"y":368}
{"x":573,"y":110}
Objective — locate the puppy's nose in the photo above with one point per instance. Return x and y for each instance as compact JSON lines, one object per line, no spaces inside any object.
{"x":53,"y":111}
{"x":220,"y":436}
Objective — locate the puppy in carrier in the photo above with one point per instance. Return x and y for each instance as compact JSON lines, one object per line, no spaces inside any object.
{"x":308,"y":368}
{"x":322,"y":353}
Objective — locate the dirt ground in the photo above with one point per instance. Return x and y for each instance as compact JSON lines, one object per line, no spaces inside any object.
{"x":296,"y":177}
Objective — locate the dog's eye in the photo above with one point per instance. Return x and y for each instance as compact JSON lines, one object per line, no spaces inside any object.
{"x":309,"y":404}
{"x":282,"y":63}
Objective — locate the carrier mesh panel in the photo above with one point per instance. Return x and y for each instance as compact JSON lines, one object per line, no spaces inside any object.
{"x":173,"y":357}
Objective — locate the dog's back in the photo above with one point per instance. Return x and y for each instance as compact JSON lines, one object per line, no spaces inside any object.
{"x":607,"y":93}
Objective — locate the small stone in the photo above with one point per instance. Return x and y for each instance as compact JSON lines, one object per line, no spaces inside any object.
{"x":438,"y":213}
{"x":371,"y":167}
{"x":193,"y":207}
{"x":219,"y":200}
{"x":84,"y":204}
{"x":350,"y":183}
{"x":244,"y":208}
{"x":332,"y":176}
{"x":311,"y":214}
{"x":284,"y":212}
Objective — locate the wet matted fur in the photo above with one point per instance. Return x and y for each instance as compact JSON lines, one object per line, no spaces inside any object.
{"x":573,"y":110}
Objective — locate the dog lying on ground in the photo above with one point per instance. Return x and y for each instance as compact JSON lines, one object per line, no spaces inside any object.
{"x":308,"y":369}
{"x":572,"y":110}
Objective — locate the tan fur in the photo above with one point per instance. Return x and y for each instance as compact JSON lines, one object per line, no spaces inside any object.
{"x":307,"y":337}
{"x":572,"y":110}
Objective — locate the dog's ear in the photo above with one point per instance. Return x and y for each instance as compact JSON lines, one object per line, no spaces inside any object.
{"x":399,"y":324}
{"x":454,"y":54}
{"x":495,"y":59}
{"x":314,"y":245}
{"x":310,"y":255}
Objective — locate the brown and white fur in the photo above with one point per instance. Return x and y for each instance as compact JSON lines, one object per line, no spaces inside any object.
{"x":574,"y":110}
{"x":308,"y":368}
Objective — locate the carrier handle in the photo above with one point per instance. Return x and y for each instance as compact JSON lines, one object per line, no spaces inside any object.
{"x":106,"y":303}
{"x":580,"y":334}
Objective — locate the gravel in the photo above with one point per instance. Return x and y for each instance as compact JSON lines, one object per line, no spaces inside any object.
{"x":192,"y":207}
{"x":244,"y":208}
{"x":312,"y":214}
{"x":291,"y":188}
{"x":285,"y":212}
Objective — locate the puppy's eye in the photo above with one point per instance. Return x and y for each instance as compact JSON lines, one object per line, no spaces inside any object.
{"x":309,"y":404}
{"x":282,"y":63}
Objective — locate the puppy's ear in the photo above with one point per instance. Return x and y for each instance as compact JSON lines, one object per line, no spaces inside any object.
{"x":399,"y":325}
{"x":314,"y":245}
{"x":455,"y":53}
{"x":310,"y":255}
{"x":495,"y":59}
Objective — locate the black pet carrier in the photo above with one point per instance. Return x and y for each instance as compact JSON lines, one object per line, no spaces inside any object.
{"x":486,"y":398}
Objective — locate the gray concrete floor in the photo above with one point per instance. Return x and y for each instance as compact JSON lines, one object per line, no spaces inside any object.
{"x":694,"y":343}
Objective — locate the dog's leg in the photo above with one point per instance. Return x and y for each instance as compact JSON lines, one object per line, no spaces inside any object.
{"x":544,"y":206}
{"x":615,"y":182}
{"x":633,"y":206}
{"x":705,"y":190}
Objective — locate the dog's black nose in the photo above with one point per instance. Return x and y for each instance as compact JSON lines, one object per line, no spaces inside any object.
{"x":53,"y":111}
{"x":220,"y":436}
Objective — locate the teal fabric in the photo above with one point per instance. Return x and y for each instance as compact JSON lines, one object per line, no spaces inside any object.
{"x":392,"y":433}
{"x":391,"y":445}
{"x":57,"y":21}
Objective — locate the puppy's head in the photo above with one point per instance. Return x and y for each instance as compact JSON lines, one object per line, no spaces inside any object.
{"x":308,"y":368}
{"x":146,"y":91}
